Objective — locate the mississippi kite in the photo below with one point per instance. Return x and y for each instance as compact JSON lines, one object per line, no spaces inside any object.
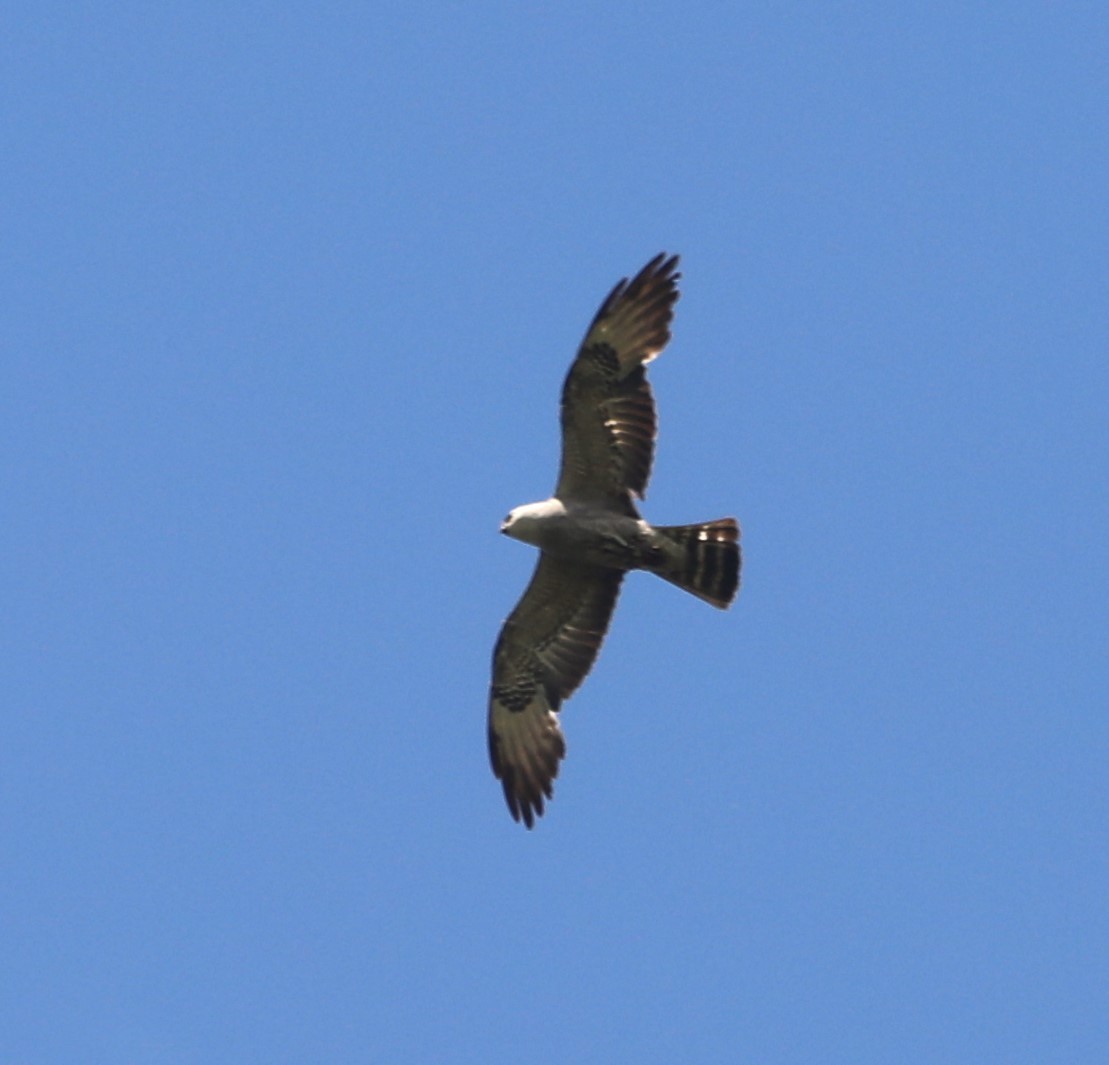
{"x":590,"y":534}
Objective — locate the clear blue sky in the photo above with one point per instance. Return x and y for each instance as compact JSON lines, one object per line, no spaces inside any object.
{"x":289,"y":291}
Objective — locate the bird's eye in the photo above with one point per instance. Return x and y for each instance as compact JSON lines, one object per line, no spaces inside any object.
{"x":507,"y":519}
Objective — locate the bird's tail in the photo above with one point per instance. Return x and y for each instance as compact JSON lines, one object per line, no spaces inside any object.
{"x":703,"y":559}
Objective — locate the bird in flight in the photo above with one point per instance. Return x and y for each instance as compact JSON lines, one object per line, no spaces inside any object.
{"x":589,"y":534}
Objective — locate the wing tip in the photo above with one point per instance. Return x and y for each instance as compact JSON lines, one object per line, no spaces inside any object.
{"x":659,"y":273}
{"x":527,"y":775}
{"x":524,"y":809}
{"x":526,"y":801}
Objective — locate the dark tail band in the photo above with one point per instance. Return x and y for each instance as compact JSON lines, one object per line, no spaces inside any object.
{"x":703,"y":559}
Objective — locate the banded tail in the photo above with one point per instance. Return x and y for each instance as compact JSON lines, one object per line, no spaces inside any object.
{"x":703,"y":559}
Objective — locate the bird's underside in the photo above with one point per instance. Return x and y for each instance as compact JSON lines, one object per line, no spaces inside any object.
{"x":589,"y":534}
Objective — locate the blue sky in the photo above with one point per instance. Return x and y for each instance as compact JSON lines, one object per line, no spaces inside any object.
{"x":290,"y":291}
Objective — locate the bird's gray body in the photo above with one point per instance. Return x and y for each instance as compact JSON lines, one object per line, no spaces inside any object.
{"x":584,"y":533}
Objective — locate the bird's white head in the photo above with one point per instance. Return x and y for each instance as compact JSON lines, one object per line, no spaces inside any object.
{"x":525,"y":523}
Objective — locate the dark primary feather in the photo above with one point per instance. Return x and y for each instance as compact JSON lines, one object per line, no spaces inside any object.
{"x":608,"y":412}
{"x":545,"y":649}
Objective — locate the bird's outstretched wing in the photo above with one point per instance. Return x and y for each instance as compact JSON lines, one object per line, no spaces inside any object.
{"x":608,"y":412}
{"x":545,"y":649}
